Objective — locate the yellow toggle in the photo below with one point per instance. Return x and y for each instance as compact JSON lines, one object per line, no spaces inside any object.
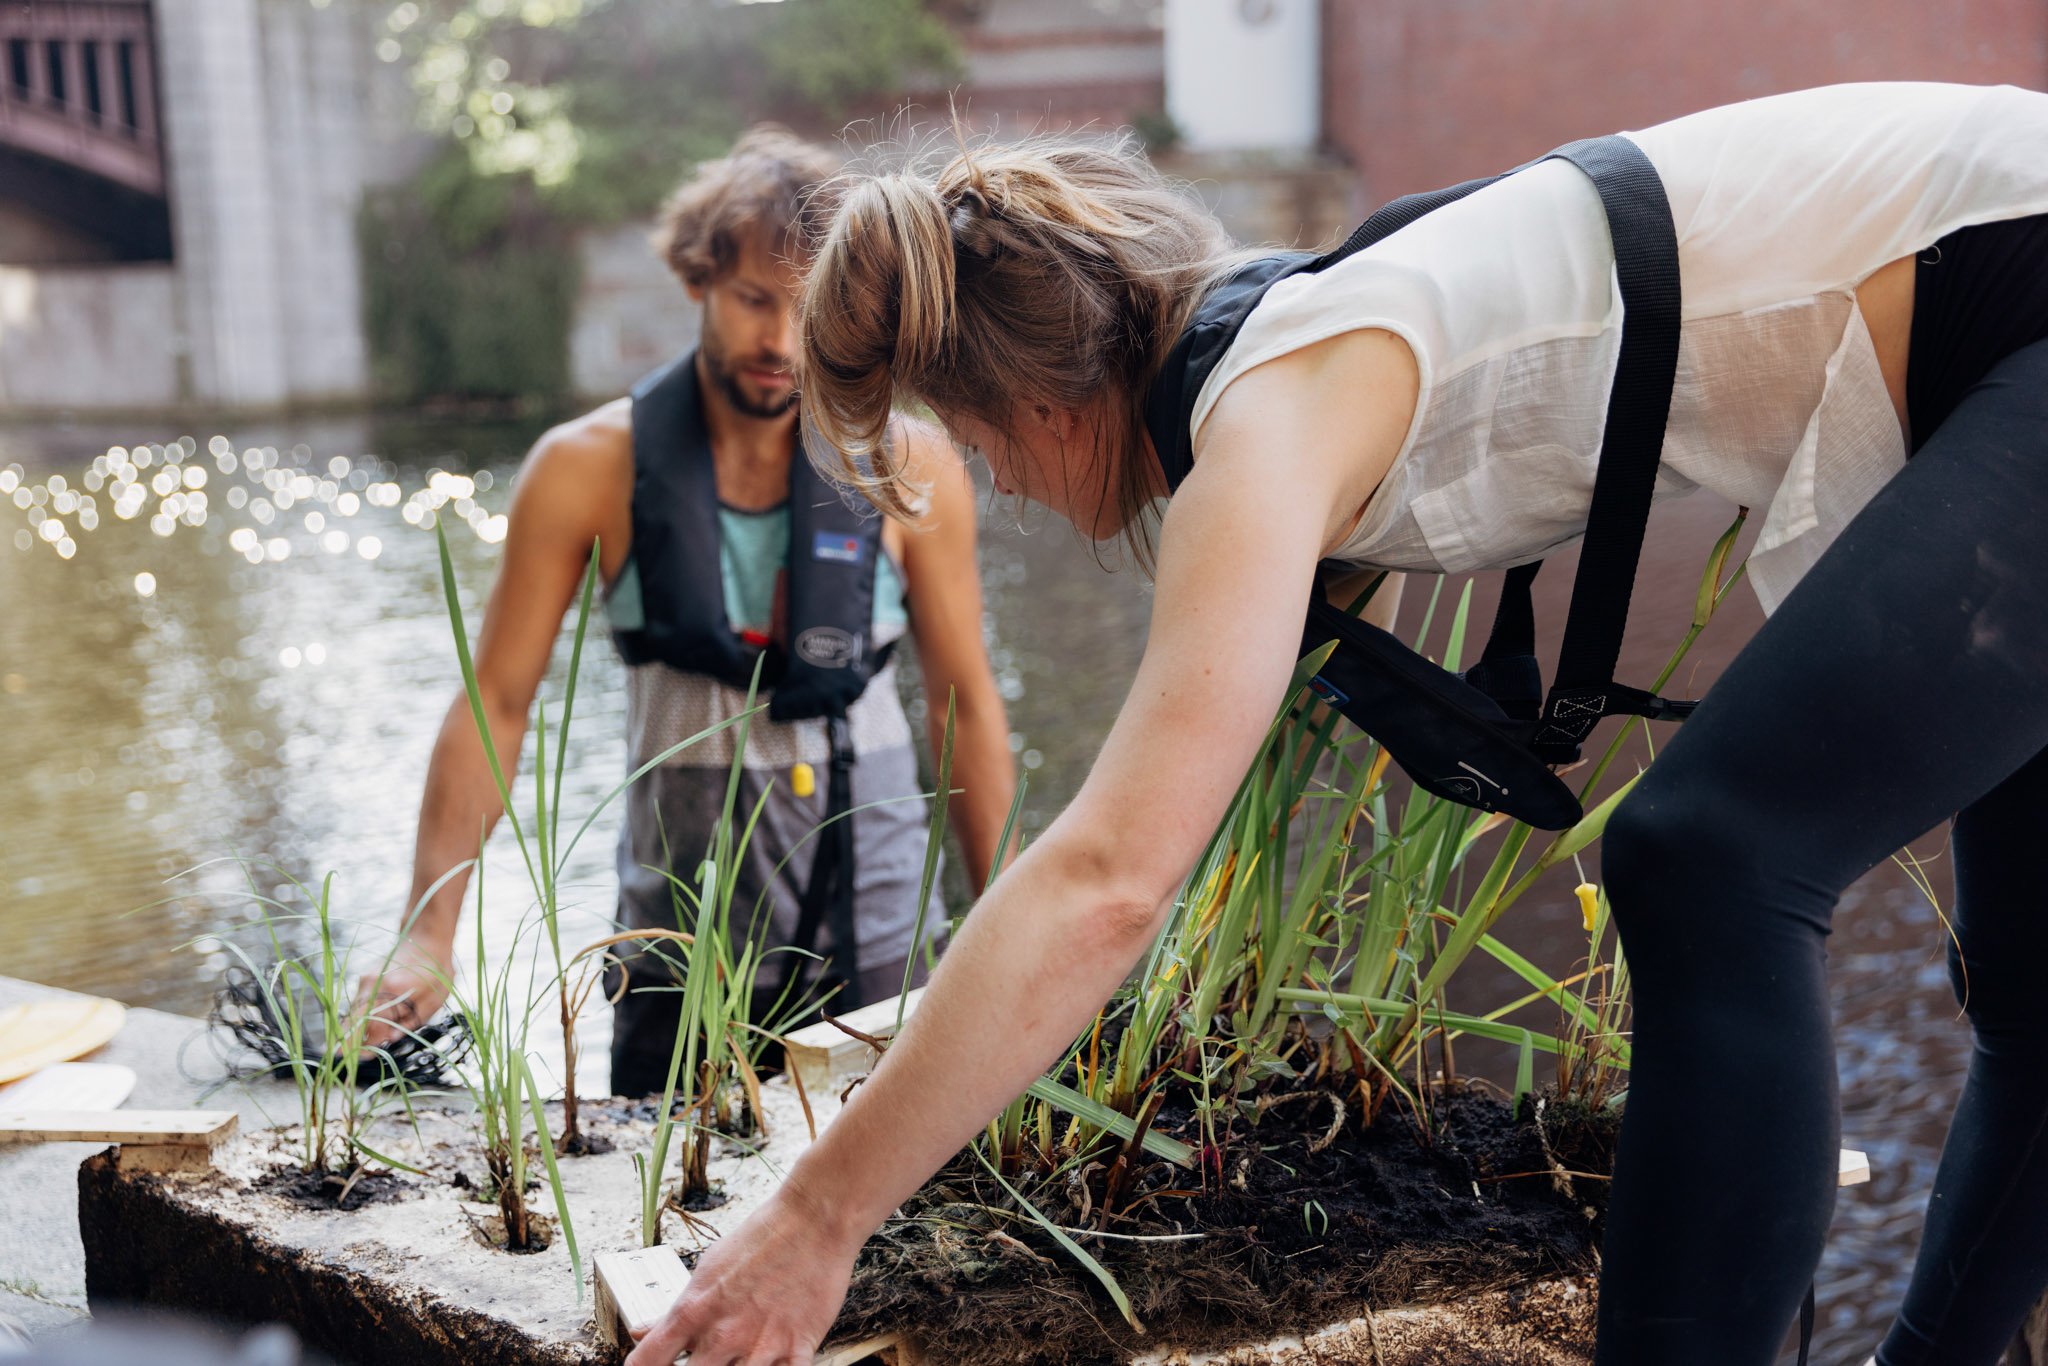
{"x":802,"y":780}
{"x":1589,"y":902}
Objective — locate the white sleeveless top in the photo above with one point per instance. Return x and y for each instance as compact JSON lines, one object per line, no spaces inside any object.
{"x":1509,"y":300}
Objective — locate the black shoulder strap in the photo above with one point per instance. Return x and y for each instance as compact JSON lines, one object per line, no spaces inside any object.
{"x":1200,"y":347}
{"x":1396,"y":214}
{"x":1631,"y":444}
{"x":1631,"y":449}
{"x":675,"y":534}
{"x":834,"y":552}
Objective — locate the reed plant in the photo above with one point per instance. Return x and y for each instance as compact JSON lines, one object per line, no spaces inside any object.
{"x":498,"y":1001}
{"x":288,"y":1004}
{"x":1315,"y":946}
{"x":717,"y":971}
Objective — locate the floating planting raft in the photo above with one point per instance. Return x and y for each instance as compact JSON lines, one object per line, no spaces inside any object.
{"x":413,"y":1269}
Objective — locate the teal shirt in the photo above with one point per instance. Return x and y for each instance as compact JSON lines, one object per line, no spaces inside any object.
{"x":754,"y":548}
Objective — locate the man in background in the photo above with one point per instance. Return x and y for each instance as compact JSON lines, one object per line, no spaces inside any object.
{"x":719,"y":548}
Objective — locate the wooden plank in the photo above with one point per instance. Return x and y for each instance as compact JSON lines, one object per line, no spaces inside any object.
{"x":70,"y":1086}
{"x":825,"y":1056}
{"x":158,"y":1128}
{"x":1855,"y":1168}
{"x":634,"y":1289}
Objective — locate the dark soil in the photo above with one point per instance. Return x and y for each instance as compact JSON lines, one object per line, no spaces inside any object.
{"x":1293,"y":1238}
{"x":325,"y":1190}
{"x":696,"y":1202}
{"x":586,"y":1144}
{"x":489,"y":1230}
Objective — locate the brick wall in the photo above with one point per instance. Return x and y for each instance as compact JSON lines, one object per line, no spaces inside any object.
{"x":1420,"y":93}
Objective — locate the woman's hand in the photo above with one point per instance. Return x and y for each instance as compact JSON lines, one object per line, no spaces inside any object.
{"x":763,"y":1295}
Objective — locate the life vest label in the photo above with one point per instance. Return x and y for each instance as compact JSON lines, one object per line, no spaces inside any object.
{"x":1328,"y":691}
{"x":835,"y":546}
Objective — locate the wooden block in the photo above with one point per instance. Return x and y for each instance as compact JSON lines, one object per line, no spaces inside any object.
{"x":634,"y":1289}
{"x":826,"y":1057}
{"x":1855,"y":1169}
{"x":178,"y":1128}
{"x":163,"y":1157}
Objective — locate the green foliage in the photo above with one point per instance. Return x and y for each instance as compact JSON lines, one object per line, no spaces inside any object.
{"x":604,"y":103}
{"x":304,"y":997}
{"x":564,"y":114}
{"x":470,"y":287}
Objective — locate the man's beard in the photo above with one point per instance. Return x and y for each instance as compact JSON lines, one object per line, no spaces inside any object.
{"x":726,"y":378}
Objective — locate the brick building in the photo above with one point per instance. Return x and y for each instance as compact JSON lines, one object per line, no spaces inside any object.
{"x":1420,"y":93}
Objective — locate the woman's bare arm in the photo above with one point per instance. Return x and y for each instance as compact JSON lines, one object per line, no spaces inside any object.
{"x":1061,"y":928}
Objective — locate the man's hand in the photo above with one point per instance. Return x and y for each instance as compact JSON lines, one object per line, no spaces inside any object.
{"x":763,"y":1295}
{"x":409,"y":992}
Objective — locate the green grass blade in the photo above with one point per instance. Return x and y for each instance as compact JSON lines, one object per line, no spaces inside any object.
{"x":1525,"y":1069}
{"x":1063,"y":1097}
{"x":1009,"y":827}
{"x":476,"y":696}
{"x":1545,"y":984}
{"x":547,"y":1153}
{"x":935,"y":840}
{"x":590,"y":577}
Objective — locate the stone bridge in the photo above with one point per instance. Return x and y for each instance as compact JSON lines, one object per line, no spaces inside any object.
{"x":78,"y":120}
{"x":179,"y":183}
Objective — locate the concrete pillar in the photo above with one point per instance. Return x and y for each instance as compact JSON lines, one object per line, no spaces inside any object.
{"x":317,"y":63}
{"x":1243,"y":75}
{"x":224,"y":209}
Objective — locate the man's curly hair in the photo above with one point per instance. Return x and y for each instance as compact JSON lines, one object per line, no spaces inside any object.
{"x":765,"y":187}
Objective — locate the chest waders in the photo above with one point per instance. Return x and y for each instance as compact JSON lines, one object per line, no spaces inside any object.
{"x":830,"y":655}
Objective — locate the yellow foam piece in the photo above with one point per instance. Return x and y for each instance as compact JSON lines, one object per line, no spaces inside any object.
{"x":35,"y":1034}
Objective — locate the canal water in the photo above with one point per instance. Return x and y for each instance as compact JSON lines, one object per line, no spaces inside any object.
{"x":224,"y":654}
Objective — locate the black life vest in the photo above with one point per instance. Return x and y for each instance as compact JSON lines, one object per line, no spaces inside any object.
{"x":1488,"y":738}
{"x":833,"y":550}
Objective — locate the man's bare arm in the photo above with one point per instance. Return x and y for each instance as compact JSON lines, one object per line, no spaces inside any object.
{"x":574,"y":488}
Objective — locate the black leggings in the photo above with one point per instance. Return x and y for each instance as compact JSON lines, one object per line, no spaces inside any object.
{"x":1904,"y":681}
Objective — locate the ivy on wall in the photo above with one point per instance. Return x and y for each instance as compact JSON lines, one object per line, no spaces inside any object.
{"x":470,"y":288}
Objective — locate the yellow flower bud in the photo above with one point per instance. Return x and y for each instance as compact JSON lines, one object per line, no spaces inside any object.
{"x":1589,"y":902}
{"x":802,"y":780}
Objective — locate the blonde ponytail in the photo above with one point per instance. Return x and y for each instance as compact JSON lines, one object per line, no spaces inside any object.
{"x":1050,"y":272}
